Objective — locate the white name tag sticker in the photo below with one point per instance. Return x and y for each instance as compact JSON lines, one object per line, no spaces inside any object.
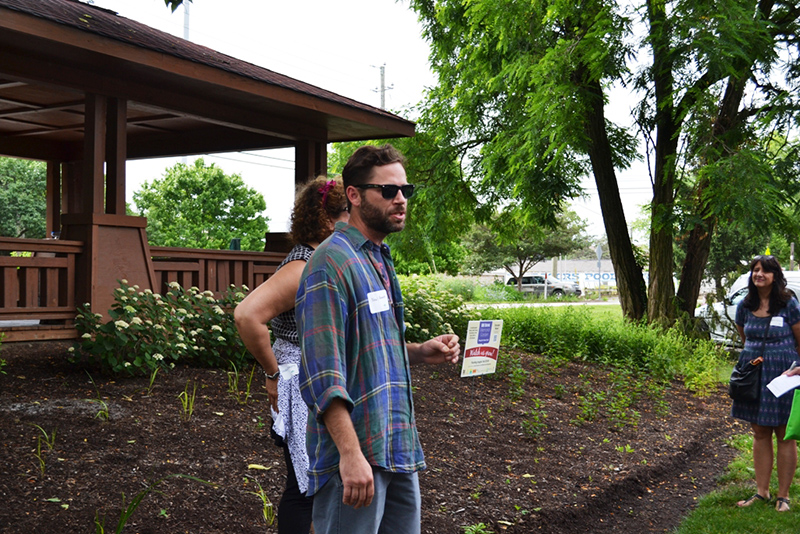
{"x":378,"y":301}
{"x":776,"y":322}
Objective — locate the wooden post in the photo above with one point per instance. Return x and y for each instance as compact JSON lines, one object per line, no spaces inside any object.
{"x":311,"y":159}
{"x":116,"y":154}
{"x":53,"y":210}
{"x":94,"y":142}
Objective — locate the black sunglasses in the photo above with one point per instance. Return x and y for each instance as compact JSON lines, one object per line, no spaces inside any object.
{"x":390,"y":191}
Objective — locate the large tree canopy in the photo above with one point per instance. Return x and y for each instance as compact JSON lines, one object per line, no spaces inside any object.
{"x":521,"y":99}
{"x":23,"y":187}
{"x":200,"y":206}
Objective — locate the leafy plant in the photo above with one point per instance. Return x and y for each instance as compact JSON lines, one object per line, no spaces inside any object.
{"x":3,"y":363}
{"x":533,"y":424}
{"x":152,"y":381}
{"x":478,"y":528}
{"x":431,"y":310}
{"x":149,"y":331}
{"x":49,"y":441}
{"x":102,"y":413}
{"x":233,"y":384}
{"x":267,"y":510}
{"x":127,"y":509}
{"x":187,"y":401}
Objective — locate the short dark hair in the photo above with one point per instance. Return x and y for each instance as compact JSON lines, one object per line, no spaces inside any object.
{"x":358,"y":169}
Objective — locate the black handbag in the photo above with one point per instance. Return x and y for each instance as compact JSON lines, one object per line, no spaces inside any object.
{"x":745,"y":384}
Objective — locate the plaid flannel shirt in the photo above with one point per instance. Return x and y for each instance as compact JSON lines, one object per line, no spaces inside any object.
{"x":353,"y":354}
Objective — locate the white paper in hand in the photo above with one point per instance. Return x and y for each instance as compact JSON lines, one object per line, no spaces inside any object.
{"x":783,"y":384}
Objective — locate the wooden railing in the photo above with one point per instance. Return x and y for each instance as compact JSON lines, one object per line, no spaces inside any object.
{"x":37,"y":283}
{"x":214,"y":270}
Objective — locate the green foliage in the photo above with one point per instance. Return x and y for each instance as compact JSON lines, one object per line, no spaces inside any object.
{"x":516,"y":243}
{"x":478,"y":528}
{"x":576,"y":334}
{"x":128,"y":508}
{"x":497,"y":291}
{"x":533,"y":424}
{"x":430,"y":309}
{"x":200,"y":206}
{"x":440,"y":212}
{"x":23,"y":186}
{"x":148,"y":331}
{"x":175,"y":4}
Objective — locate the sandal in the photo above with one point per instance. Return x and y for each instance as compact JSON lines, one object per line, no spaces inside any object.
{"x":756,"y":497}
{"x":782,"y":505}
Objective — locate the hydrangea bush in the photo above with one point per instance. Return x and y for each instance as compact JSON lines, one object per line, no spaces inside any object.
{"x":430,"y":309}
{"x":148,"y":331}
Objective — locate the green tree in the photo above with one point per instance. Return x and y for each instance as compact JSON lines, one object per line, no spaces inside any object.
{"x":522,"y":92}
{"x":521,"y":99}
{"x":200,"y":206}
{"x":440,"y":212}
{"x":23,"y":194}
{"x":516,"y":244}
{"x":175,"y":4}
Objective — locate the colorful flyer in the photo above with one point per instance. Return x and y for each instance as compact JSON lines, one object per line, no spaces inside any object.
{"x":481,"y":348}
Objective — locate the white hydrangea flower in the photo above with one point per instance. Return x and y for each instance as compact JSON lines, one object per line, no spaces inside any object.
{"x":131,"y":290}
{"x":123,"y":281}
{"x":122,"y":325}
{"x":216,"y":328}
{"x":181,"y":346}
{"x":87,"y":335}
{"x":130,"y":309}
{"x":127,"y":364}
{"x":181,"y":311}
{"x":71,"y":349}
{"x":148,"y":292}
{"x":221,"y":339}
{"x":210,"y":299}
{"x":174,"y":285}
{"x":158,"y":357}
{"x":218,"y":310}
{"x":136,"y":321}
{"x":245,"y":287}
{"x":123,"y":298}
{"x":208,"y":293}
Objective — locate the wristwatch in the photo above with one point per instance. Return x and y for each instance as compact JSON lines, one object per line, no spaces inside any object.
{"x":273,"y":376}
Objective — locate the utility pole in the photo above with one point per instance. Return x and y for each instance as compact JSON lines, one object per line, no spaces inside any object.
{"x":186,"y":20}
{"x":383,"y":87}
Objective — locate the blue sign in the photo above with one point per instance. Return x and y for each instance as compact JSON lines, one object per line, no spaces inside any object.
{"x":484,"y":332}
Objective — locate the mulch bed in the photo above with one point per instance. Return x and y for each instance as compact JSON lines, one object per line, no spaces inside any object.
{"x":486,"y":462}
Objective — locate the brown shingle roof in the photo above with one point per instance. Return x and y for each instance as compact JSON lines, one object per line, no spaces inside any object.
{"x":109,"y":24}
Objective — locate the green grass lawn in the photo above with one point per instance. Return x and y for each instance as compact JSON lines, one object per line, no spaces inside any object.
{"x":717,"y":513}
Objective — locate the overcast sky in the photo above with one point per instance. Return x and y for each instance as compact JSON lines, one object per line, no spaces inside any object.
{"x":336,"y":45}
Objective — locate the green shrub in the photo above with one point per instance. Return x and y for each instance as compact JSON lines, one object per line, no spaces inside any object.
{"x":497,"y":291}
{"x":431,"y":310}
{"x":573,"y":333}
{"x":148,"y":331}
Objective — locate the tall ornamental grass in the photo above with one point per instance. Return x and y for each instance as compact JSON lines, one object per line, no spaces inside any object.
{"x":573,"y":333}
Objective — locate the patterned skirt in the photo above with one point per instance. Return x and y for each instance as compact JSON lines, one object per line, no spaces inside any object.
{"x":292,"y":417}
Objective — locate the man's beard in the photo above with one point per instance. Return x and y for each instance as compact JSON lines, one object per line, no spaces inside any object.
{"x":377,"y":219}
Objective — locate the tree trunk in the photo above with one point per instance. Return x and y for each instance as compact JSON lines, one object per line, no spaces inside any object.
{"x":698,"y":246}
{"x":630,"y":283}
{"x":660,"y":308}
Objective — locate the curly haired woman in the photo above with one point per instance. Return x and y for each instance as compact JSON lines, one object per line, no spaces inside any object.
{"x":319,"y":205}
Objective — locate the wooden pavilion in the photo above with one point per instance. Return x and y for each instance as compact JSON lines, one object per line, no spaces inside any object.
{"x":85,"y":90}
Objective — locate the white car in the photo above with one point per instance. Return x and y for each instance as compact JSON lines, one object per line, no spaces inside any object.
{"x":719,"y":319}
{"x":555,"y":287}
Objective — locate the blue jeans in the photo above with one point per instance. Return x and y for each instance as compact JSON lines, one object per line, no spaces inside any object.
{"x":395,"y":508}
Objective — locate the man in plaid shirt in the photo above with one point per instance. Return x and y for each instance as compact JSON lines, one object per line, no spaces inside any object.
{"x":364,"y":451}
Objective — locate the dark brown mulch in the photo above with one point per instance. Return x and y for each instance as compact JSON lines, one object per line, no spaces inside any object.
{"x":482,"y":465}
